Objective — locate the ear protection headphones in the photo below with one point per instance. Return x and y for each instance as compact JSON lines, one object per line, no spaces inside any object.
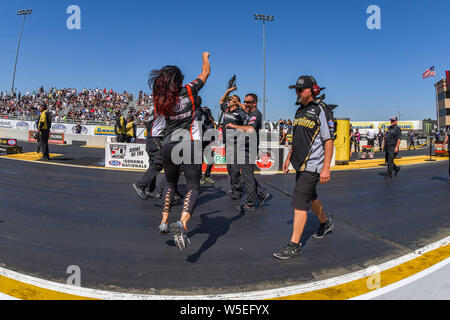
{"x":315,"y":90}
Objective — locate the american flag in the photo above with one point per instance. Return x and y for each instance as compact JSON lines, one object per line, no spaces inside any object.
{"x":429,"y":73}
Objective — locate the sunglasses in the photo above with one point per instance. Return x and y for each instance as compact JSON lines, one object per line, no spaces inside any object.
{"x":249,"y":102}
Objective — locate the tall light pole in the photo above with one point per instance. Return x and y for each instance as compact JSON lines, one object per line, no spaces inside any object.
{"x":23,"y":13}
{"x":264,"y":18}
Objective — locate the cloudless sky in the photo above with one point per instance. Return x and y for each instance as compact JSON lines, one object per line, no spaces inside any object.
{"x":370,"y":74}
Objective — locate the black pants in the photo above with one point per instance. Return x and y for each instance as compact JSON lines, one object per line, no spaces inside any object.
{"x":154,"y":151}
{"x":234,"y":170}
{"x":38,"y":136}
{"x":45,"y":135}
{"x":209,"y":170}
{"x":121,"y":138}
{"x":252,"y":186}
{"x":209,"y":167}
{"x":391,"y":155}
{"x":192,"y":173}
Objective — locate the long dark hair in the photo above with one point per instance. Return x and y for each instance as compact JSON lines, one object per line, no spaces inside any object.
{"x":166,"y":85}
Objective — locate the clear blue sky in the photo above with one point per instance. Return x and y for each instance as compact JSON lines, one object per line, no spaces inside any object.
{"x":371,"y":74}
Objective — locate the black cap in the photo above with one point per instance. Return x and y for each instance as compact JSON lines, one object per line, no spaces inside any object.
{"x":304,"y":82}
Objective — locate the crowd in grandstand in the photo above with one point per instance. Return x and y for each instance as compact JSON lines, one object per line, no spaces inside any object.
{"x":66,"y":104}
{"x":99,"y":105}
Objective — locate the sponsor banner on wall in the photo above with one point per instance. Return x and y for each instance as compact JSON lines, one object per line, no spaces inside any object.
{"x":56,"y":127}
{"x":8,"y":124}
{"x":74,"y":130}
{"x":126,"y":156}
{"x":59,"y":128}
{"x":55,"y":138}
{"x":365,"y":126}
{"x":8,"y":142}
{"x":23,"y":125}
{"x":104,"y":131}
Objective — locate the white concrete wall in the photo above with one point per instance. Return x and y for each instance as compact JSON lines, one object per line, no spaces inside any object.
{"x":93,"y":141}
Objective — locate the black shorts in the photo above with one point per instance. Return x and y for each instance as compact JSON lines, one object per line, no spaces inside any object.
{"x":305,"y":190}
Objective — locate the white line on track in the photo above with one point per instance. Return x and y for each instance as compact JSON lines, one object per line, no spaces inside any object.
{"x":256,"y":295}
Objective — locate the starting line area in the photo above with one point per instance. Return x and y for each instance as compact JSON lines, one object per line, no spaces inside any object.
{"x":351,"y":286}
{"x":111,"y":227}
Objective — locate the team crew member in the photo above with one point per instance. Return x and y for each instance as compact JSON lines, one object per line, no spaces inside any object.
{"x":371,"y":137}
{"x":447,"y":141}
{"x":120,"y":128}
{"x":252,"y":124}
{"x":146,"y":186}
{"x":310,"y":155}
{"x":44,"y":127}
{"x":233,"y":114}
{"x":208,"y":123}
{"x":37,"y":136}
{"x":178,"y":105}
{"x":392,"y":146}
{"x":131,"y":130}
{"x":380,"y":137}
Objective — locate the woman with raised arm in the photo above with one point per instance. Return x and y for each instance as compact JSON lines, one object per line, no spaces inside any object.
{"x":182,"y":135}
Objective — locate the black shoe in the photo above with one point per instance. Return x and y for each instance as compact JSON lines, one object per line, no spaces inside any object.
{"x":289,"y":251}
{"x":324,"y":228}
{"x":264,"y":199}
{"x":177,"y":197}
{"x":154,"y":195}
{"x":140,"y":192}
{"x":396,"y":171}
{"x":246,"y":209}
{"x":236,"y":196}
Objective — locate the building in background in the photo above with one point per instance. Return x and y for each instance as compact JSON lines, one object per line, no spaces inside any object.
{"x":443,"y":102}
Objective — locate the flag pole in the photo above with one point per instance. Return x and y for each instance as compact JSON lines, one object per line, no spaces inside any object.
{"x":437,"y":96}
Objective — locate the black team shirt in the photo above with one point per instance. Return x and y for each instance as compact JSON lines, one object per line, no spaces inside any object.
{"x":184,"y":115}
{"x":254,"y":119}
{"x":393,"y":134}
{"x":236,"y":117}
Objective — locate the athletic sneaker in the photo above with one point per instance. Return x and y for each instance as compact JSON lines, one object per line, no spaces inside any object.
{"x":396,"y":171}
{"x":164,"y":229}
{"x":153,"y":195}
{"x":289,"y":251}
{"x":179,"y":235}
{"x":246,"y":209}
{"x":202,"y":181}
{"x":209,"y":180}
{"x":265,"y":198}
{"x":324,"y":229}
{"x":140,"y":192}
